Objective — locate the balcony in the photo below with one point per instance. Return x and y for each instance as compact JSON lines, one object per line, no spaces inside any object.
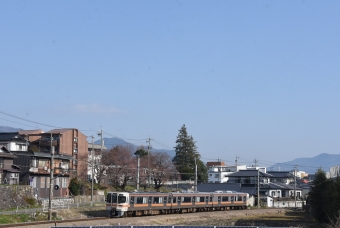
{"x":43,"y":142}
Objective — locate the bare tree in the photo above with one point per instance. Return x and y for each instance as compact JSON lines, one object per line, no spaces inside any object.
{"x":119,"y":163}
{"x":162,"y":168}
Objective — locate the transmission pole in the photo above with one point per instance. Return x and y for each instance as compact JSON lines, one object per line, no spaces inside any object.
{"x":236,"y":163}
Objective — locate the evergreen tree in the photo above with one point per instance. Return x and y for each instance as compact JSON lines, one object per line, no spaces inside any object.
{"x":319,"y":197}
{"x":187,"y":156}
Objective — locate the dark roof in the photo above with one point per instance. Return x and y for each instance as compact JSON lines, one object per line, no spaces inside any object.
{"x":248,"y":173}
{"x":252,"y":190}
{"x":42,"y":154}
{"x":5,"y":153}
{"x":212,"y":187}
{"x":281,"y":174}
{"x":11,"y":136}
{"x":12,"y":170}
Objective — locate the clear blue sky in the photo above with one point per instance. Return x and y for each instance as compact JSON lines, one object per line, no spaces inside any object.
{"x":254,"y":79}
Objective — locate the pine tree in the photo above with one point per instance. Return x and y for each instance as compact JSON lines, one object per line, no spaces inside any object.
{"x":187,"y":156}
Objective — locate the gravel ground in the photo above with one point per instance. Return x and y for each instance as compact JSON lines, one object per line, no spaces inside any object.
{"x":219,"y":218}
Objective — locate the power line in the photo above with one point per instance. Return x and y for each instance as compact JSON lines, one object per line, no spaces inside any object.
{"x":31,"y":121}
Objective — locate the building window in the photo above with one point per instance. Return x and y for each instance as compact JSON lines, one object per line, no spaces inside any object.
{"x":216,"y":175}
{"x":1,"y":162}
{"x":75,"y":151}
{"x":42,"y":163}
{"x":75,"y":139}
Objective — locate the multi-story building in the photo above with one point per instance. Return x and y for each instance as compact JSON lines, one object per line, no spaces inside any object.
{"x":69,"y":148}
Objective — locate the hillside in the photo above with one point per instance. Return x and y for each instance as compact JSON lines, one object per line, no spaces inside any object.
{"x":112,"y":142}
{"x":310,"y":165}
{"x":9,"y":129}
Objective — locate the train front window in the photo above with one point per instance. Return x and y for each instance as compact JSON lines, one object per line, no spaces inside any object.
{"x":111,"y":198}
{"x":121,"y":199}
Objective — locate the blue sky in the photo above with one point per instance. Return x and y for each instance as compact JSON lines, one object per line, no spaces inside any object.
{"x":253,"y":79}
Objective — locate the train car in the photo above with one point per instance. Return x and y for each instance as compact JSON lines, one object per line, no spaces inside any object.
{"x":124,"y":204}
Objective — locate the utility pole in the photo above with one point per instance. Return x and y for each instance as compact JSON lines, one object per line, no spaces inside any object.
{"x":138,"y":167}
{"x":100,"y":133}
{"x":236,"y":163}
{"x":195,"y":176}
{"x":255,"y":161}
{"x":149,"y":148}
{"x":258,"y":188}
{"x":92,"y":176}
{"x":51,"y":182}
{"x":295,"y":185}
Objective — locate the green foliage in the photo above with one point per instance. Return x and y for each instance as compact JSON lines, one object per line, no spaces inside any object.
{"x":9,"y":219}
{"x":324,"y":197}
{"x":141,"y":153}
{"x":74,"y":186}
{"x":187,"y":156}
{"x":30,"y":201}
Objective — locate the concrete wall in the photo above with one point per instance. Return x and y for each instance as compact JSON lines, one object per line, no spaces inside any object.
{"x":87,"y":199}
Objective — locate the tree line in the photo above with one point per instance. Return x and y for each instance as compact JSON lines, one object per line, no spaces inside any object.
{"x":117,"y":167}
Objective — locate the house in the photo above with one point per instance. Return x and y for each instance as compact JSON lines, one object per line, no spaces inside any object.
{"x":284,"y":177}
{"x":249,"y":177}
{"x":97,"y":156}
{"x":13,"y":141}
{"x":218,"y":171}
{"x":9,"y":173}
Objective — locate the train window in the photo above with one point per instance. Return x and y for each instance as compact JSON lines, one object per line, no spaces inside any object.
{"x":132,"y":200}
{"x":239,"y":198}
{"x":169,"y":199}
{"x":165,"y":199}
{"x":141,"y":200}
{"x":232,"y":198}
{"x":219,"y":198}
{"x":225,"y":198}
{"x":150,"y":199}
{"x":193,"y":199}
{"x":186,"y":199}
{"x":199,"y":199}
{"x":206,"y":199}
{"x":210,"y":199}
{"x":121,"y":199}
{"x":244,"y":198}
{"x":174,"y":200}
{"x":156,"y":200}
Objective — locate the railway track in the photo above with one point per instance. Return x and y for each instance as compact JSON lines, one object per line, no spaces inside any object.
{"x":52,"y":223}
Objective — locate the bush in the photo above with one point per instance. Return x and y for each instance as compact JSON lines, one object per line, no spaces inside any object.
{"x":30,"y":201}
{"x":74,"y":186}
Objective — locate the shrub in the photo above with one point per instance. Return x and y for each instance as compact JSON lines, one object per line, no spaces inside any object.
{"x":30,"y":201}
{"x":74,"y":186}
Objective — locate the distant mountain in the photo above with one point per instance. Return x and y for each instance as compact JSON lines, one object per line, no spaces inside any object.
{"x":310,"y":165}
{"x":112,"y":142}
{"x":9,"y":129}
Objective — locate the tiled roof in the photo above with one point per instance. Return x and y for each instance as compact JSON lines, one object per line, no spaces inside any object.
{"x":248,"y":173}
{"x":281,"y":174}
{"x":212,"y":187}
{"x":11,"y":136}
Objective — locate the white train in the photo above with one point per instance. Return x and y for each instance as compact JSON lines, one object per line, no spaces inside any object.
{"x":124,"y":204}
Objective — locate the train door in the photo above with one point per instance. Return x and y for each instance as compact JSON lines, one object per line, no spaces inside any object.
{"x":150,"y":202}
